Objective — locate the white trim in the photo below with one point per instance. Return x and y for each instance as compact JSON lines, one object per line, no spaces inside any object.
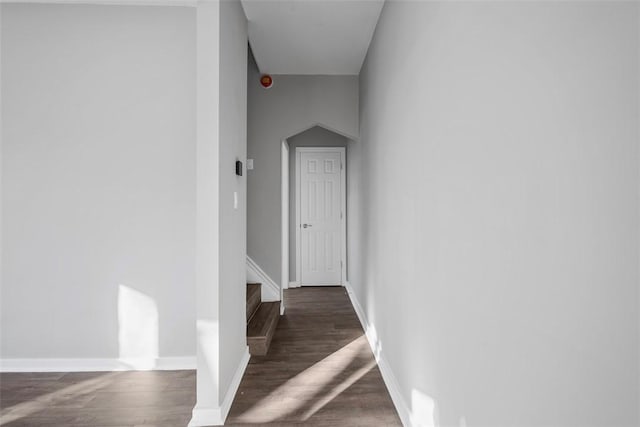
{"x":216,"y":416}
{"x":270,"y":289}
{"x":284,"y":224}
{"x":235,"y":383}
{"x":183,"y":3}
{"x":325,"y":284}
{"x":343,"y":219}
{"x":376,"y":347}
{"x":298,"y":266}
{"x":205,"y":417}
{"x":178,"y":3}
{"x":294,"y":284}
{"x":98,"y":365}
{"x":343,"y":214}
{"x":301,"y":129}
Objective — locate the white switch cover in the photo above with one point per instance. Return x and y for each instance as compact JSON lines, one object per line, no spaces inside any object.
{"x":235,"y":200}
{"x":249,"y":164}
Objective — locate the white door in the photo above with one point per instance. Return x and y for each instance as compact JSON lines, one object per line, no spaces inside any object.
{"x":320,"y":217}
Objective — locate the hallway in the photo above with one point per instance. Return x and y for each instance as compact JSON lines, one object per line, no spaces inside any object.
{"x":319,"y":371}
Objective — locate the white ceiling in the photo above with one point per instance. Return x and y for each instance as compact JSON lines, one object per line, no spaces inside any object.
{"x":311,"y":36}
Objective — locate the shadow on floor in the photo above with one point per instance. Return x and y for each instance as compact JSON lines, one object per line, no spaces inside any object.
{"x":319,"y":370}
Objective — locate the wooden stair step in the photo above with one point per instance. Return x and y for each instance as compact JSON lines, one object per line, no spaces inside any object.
{"x":261,"y":328}
{"x":253,"y":298}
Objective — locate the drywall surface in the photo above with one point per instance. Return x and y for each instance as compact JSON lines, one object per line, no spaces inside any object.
{"x":293,"y":105}
{"x":221,"y":208}
{"x":233,"y":219}
{"x":98,"y":181}
{"x":1,"y":187}
{"x":207,"y":408}
{"x":314,"y":137}
{"x":494,"y":239}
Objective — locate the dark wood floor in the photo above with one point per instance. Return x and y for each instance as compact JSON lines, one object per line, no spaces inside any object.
{"x":319,"y":371}
{"x":156,"y":398}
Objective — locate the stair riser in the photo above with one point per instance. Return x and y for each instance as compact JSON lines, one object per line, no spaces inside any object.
{"x":253,"y":303}
{"x":260,"y":346}
{"x":261,"y":329}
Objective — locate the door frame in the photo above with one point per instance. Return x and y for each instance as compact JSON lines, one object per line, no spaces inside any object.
{"x":284,"y":224}
{"x":343,"y":210}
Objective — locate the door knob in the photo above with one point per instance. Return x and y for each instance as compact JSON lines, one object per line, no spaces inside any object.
{"x":306,"y":225}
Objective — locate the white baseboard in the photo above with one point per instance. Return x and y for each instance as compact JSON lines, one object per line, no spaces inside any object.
{"x":205,"y":417}
{"x":270,"y":289}
{"x":235,"y":383}
{"x":98,"y":365}
{"x":185,"y":3}
{"x":208,"y":416}
{"x":387,"y":374}
{"x":294,"y":284}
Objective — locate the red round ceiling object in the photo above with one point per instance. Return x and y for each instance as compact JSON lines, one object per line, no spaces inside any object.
{"x":266,"y":81}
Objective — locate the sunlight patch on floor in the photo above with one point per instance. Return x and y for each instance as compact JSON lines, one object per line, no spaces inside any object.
{"x":309,"y":387}
{"x":67,"y":394}
{"x":337,"y":390}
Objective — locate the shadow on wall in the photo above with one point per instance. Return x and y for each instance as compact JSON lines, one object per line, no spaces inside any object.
{"x":423,"y":411}
{"x":138,"y":329}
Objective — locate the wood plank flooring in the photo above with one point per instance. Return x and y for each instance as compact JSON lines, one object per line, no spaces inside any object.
{"x":319,"y":372}
{"x":97,"y":399}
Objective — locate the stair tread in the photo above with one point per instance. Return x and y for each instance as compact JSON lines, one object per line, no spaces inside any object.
{"x":262,"y":323}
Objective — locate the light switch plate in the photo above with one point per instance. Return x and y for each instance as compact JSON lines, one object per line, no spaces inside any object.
{"x":235,"y":200}
{"x":249,"y":164}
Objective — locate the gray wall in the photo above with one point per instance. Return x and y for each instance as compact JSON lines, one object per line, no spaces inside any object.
{"x":292,"y":105}
{"x":233,"y":221}
{"x":221,"y":226}
{"x":314,"y":137}
{"x":98,"y":179}
{"x":494,"y":236}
